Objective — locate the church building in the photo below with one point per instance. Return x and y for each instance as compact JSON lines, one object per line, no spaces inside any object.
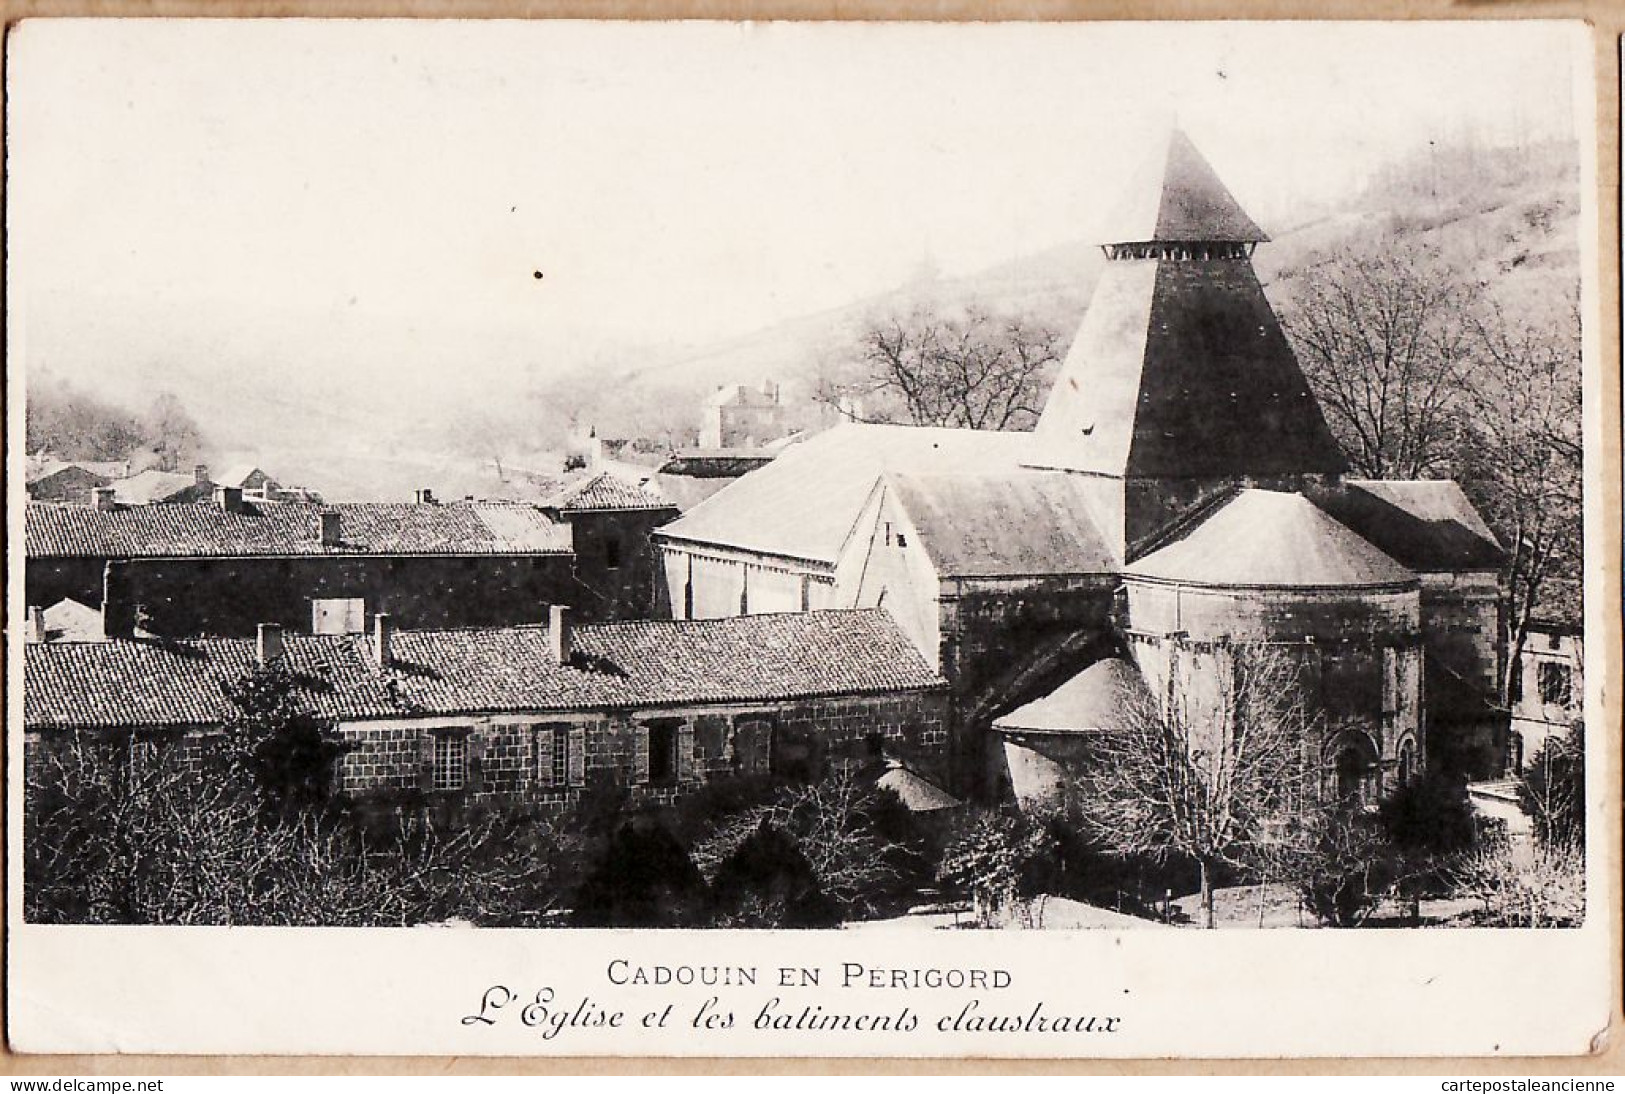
{"x":1180,"y":496}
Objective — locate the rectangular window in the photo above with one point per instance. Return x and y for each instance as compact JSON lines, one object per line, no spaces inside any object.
{"x":1556,"y":683}
{"x":662,"y":752}
{"x":612,"y":552}
{"x":561,"y":755}
{"x":450,"y":761}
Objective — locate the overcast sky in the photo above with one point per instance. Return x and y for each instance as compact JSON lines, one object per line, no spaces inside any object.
{"x":316,"y":195}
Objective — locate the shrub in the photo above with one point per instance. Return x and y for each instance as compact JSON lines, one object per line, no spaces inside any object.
{"x":644,"y":878}
{"x":999,"y":859}
{"x":768,"y":882}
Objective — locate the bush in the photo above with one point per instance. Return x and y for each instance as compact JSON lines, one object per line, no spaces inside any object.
{"x":1431,"y":815}
{"x":1539,"y":887}
{"x":768,"y":882}
{"x":644,"y":878}
{"x":999,"y":859}
{"x":853,"y":835}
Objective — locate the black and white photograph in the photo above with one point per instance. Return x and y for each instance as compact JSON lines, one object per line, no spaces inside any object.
{"x":936,"y":504}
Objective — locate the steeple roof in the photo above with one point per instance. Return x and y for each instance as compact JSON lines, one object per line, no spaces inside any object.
{"x":1177,"y":198}
{"x":1180,"y":369}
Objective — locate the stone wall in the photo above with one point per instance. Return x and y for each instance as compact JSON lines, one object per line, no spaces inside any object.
{"x":615,"y":564}
{"x":510,"y":758}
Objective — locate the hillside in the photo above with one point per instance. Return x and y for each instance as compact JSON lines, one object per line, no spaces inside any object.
{"x":1508,"y":221}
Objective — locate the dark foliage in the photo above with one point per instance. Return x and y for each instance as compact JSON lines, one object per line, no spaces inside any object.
{"x":285,"y":751}
{"x":644,"y":878}
{"x":1430,"y":815}
{"x":768,"y":882}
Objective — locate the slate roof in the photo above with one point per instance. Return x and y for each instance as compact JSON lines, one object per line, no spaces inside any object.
{"x":1092,"y":701}
{"x":1276,"y":539}
{"x":806,"y":503}
{"x":291,"y":528}
{"x":1181,"y":370}
{"x":1178,"y":198}
{"x":1428,"y":525}
{"x":132,"y":683}
{"x":1014,"y":523}
{"x":605,"y":492}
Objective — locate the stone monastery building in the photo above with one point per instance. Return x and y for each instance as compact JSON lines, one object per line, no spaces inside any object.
{"x":1180,"y":495}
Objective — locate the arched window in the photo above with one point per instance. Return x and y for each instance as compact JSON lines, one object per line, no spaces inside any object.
{"x":1407,"y":762}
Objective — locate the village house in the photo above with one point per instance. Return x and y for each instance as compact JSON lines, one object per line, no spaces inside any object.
{"x":70,"y":482}
{"x":1181,"y":494}
{"x":535,"y":714}
{"x":1547,"y":692}
{"x":222,"y":567}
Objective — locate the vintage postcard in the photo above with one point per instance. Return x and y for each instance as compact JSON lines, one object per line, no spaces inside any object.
{"x":715,"y":539}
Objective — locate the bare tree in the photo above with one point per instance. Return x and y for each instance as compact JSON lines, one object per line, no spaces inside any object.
{"x":1381,"y":338}
{"x":1204,"y":777}
{"x":1519,"y":459}
{"x":929,"y":367}
{"x":171,"y":431}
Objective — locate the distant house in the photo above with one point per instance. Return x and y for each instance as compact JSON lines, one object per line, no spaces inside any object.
{"x":741,"y":416}
{"x":1548,"y":683}
{"x":691,"y":475}
{"x":65,"y":621}
{"x":154,"y":487}
{"x":534,"y":714}
{"x":70,"y":483}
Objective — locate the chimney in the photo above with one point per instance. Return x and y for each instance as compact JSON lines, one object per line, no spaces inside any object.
{"x":200,"y":473}
{"x":269,"y":645}
{"x":229,"y":498}
{"x":36,"y":623}
{"x":103,"y":496}
{"x":424,"y":496}
{"x":558,"y":634}
{"x":382,"y":631}
{"x":331,"y":531}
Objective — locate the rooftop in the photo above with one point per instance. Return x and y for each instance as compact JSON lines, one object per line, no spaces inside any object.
{"x":1270,"y":538}
{"x":206,"y":530}
{"x":1427,"y":525}
{"x":605,"y":492}
{"x":1012,"y":523}
{"x":806,"y":503}
{"x":130,"y":683}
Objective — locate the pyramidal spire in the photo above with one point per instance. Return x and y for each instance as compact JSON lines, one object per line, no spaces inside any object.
{"x":1178,"y":198}
{"x":1180,"y":381}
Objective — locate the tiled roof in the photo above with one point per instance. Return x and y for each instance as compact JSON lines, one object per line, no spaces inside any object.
{"x":1426,"y":524}
{"x":616,"y":666}
{"x":1271,"y":538}
{"x":605,"y":491}
{"x":806,"y":503}
{"x":1013,"y":523}
{"x":291,"y":528}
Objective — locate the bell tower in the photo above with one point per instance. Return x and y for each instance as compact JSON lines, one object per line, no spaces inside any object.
{"x":1180,"y":384}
